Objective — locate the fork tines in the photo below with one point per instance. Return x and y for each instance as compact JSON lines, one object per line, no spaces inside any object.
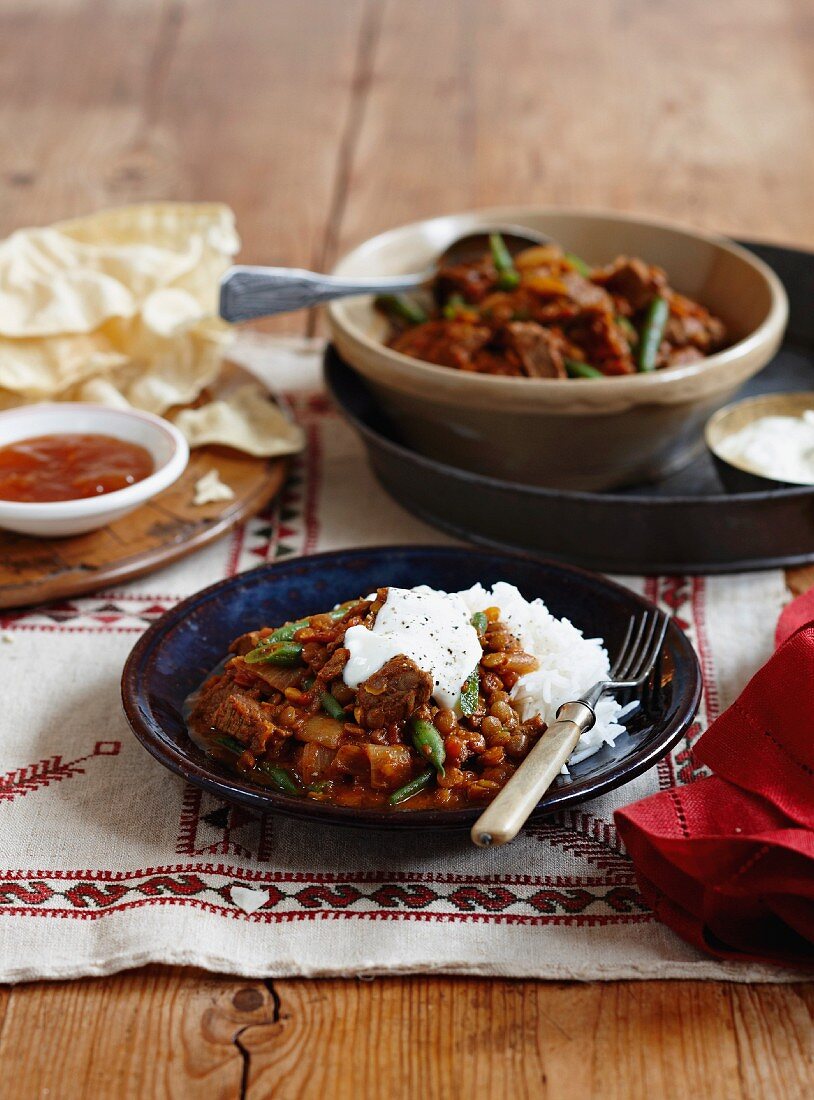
{"x":641,"y":647}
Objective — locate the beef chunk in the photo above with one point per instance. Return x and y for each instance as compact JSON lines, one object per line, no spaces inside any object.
{"x":690,"y":325}
{"x":211,"y":695}
{"x":586,"y":294}
{"x":332,"y":669}
{"x":471,"y":281}
{"x":243,"y":718}
{"x":393,"y":693}
{"x":539,"y":350}
{"x":495,"y":361}
{"x":604,"y":343}
{"x":634,"y":280}
{"x":447,"y":343}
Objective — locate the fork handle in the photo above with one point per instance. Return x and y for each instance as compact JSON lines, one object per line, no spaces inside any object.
{"x":506,"y":815}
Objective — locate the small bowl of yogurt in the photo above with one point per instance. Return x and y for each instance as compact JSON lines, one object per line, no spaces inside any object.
{"x":764,"y":443}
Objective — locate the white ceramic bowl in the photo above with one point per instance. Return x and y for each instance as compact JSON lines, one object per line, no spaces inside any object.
{"x":58,"y":518}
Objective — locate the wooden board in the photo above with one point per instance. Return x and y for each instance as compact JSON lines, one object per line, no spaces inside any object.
{"x":166,"y":528}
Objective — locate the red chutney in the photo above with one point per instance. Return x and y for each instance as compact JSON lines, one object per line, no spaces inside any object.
{"x":70,"y":466}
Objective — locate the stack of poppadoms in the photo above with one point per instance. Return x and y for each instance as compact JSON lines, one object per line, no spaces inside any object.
{"x":120,"y":308}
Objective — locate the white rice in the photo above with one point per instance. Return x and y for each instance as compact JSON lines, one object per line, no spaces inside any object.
{"x":569,"y":663}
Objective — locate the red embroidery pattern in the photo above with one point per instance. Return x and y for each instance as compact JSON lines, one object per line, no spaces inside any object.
{"x":33,"y":777}
{"x":689,"y":769}
{"x":210,"y":827}
{"x":684,"y":599}
{"x":218,"y":828}
{"x":89,"y":894}
{"x":588,"y":838}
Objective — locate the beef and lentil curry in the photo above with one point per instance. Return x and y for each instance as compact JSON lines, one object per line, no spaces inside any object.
{"x":281,"y":713}
{"x":545,"y":313}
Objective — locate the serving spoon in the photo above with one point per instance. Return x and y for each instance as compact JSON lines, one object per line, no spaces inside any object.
{"x":247,"y":291}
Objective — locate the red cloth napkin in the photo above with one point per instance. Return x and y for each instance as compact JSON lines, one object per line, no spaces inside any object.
{"x":728,"y":861}
{"x":798,"y":613}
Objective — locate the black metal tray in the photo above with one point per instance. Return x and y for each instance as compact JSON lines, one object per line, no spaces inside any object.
{"x":686,"y":523}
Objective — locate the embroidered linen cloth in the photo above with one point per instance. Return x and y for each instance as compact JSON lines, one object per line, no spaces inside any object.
{"x":108,"y":861}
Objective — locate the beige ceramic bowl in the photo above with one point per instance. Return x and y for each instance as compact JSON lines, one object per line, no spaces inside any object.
{"x":575,"y":433}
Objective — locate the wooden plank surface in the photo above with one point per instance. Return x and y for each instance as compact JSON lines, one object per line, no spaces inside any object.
{"x":320,"y":123}
{"x":680,"y":109}
{"x":176,"y":1033}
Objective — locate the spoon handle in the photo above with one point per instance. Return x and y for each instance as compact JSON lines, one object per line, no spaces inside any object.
{"x":247,"y":292}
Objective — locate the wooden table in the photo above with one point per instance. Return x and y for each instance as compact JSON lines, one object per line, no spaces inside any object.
{"x":321,"y":122}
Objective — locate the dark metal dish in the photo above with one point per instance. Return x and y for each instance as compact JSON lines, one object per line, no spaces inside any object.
{"x":177,"y":653}
{"x":686,"y":523}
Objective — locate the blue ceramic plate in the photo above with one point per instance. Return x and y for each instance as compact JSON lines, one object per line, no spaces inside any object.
{"x":177,"y":653}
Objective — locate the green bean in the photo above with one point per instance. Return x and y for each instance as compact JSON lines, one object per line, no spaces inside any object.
{"x":508,"y":280}
{"x":284,"y":633}
{"x":287,"y":632}
{"x":480,"y":622}
{"x":332,"y":705}
{"x":284,"y":654}
{"x":507,"y":274}
{"x":453,"y":306}
{"x":339,"y":613}
{"x":280,"y":777}
{"x":308,"y":683}
{"x":627,"y":327}
{"x":579,"y":265}
{"x":230,"y":743}
{"x":468,"y":699}
{"x":422,"y":780}
{"x":322,"y":785}
{"x":396,"y":305}
{"x":577,"y":369}
{"x":429,"y":743}
{"x":653,"y":327}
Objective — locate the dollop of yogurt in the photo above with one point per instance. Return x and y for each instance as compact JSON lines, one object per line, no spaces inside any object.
{"x":780,"y":447}
{"x":431,"y":628}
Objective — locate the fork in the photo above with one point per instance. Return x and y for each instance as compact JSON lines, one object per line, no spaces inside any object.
{"x":505,"y":816}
